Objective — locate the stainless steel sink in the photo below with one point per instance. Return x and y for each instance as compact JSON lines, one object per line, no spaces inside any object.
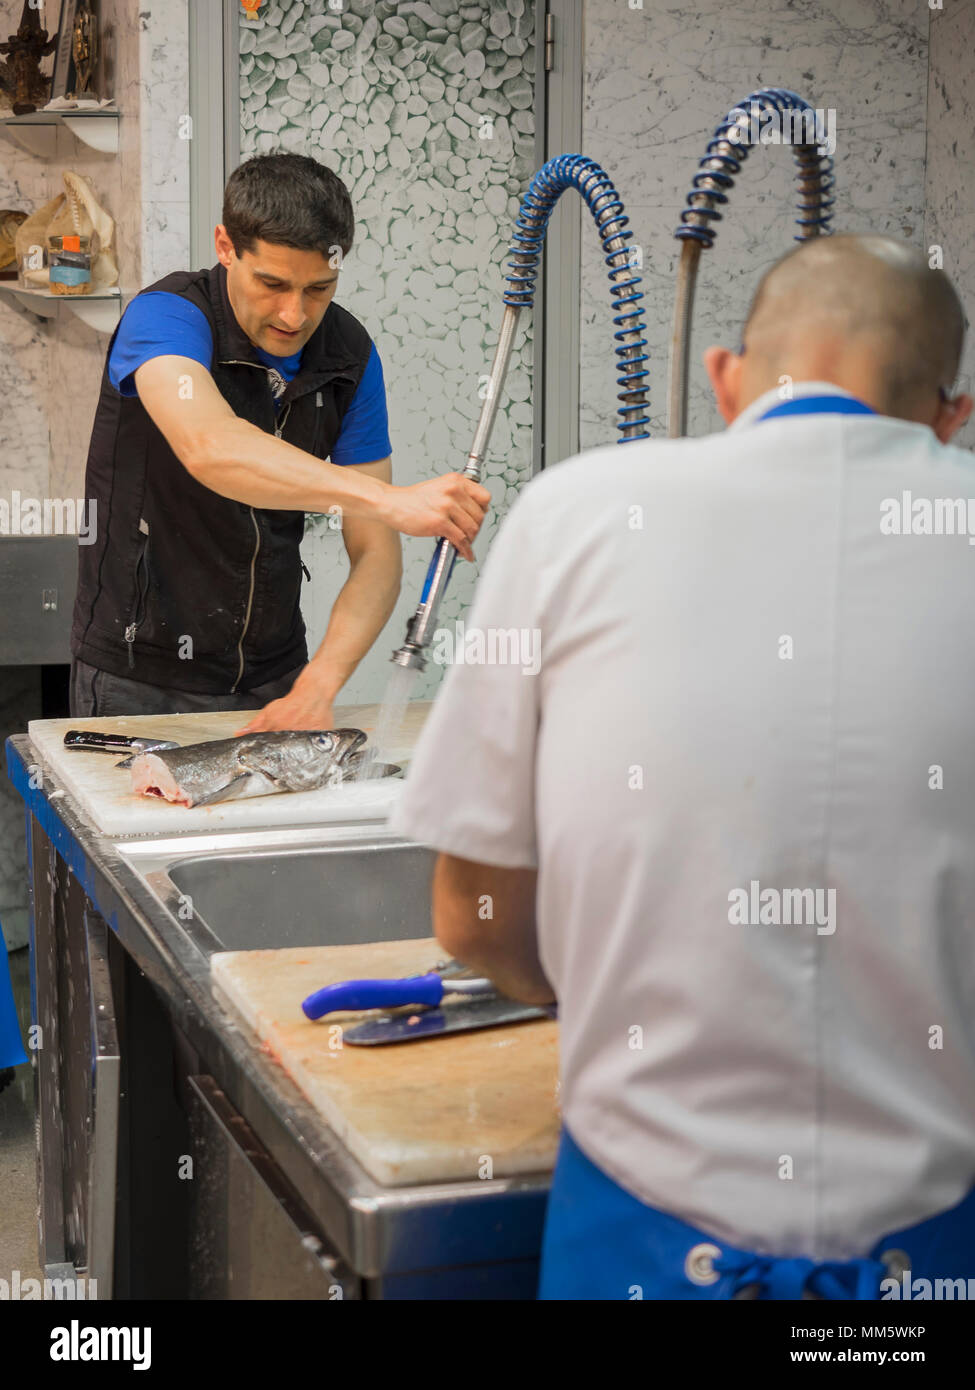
{"x":295,"y":888}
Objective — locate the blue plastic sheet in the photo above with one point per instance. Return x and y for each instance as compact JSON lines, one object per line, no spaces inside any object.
{"x":12,"y":1052}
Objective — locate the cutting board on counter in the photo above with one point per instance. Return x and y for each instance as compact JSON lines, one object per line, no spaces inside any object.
{"x":105,"y":794}
{"x":416,"y":1112}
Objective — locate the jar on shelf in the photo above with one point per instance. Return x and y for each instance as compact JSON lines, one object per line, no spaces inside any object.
{"x":69,"y":264}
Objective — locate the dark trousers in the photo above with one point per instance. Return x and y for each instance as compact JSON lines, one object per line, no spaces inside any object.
{"x":95,"y":693}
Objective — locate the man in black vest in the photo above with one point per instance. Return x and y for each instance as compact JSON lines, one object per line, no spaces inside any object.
{"x":224,"y":394}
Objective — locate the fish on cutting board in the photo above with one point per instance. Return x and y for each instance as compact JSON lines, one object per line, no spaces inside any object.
{"x":255,"y":765}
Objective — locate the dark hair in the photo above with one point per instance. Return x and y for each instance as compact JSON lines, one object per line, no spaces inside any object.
{"x":290,"y":200}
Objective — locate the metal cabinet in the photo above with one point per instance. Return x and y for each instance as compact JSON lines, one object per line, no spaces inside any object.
{"x":77,"y":1077}
{"x":38,"y":581}
{"x":251,"y":1236}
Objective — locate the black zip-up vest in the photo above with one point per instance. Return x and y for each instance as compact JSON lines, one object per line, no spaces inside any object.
{"x":183,"y":588}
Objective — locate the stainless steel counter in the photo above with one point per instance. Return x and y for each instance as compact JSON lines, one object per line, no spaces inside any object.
{"x":168,"y":905}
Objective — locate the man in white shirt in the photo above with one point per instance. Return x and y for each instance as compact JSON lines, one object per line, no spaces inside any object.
{"x":728,"y":820}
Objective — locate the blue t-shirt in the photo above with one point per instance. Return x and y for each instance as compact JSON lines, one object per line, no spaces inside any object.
{"x":160,"y":324}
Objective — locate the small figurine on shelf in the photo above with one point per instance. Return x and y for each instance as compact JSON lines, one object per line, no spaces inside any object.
{"x":84,"y":50}
{"x":20,"y":74}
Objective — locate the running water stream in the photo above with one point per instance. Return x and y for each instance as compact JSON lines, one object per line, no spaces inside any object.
{"x":391,"y":714}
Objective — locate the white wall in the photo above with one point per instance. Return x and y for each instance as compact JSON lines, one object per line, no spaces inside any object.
{"x":658,"y":79}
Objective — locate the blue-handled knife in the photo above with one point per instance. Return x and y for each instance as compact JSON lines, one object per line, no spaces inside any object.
{"x":421,"y":990}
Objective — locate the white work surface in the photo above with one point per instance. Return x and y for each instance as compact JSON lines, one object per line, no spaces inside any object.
{"x":104,"y":791}
{"x":415,"y":1112}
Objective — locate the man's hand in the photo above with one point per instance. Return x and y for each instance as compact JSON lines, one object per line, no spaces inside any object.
{"x":306,"y":706}
{"x":451,"y":506}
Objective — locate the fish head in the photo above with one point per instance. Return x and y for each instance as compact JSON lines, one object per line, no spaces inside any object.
{"x":300,"y":761}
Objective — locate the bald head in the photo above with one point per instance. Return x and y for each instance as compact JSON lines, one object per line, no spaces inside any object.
{"x":863,"y":312}
{"x":866,"y":307}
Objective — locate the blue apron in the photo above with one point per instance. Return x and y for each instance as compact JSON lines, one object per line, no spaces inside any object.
{"x":12,"y":1052}
{"x":602,"y":1243}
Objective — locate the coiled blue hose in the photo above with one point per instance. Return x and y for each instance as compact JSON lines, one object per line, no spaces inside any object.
{"x":724,"y":159}
{"x":603,"y":201}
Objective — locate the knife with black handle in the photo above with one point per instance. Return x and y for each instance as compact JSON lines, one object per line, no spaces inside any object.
{"x":94,"y":741}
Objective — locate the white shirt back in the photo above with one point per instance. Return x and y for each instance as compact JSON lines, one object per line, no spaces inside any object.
{"x":746,"y":685}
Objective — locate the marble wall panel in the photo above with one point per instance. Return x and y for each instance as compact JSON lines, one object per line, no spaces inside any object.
{"x":658,"y":78}
{"x":164,"y":109}
{"x":950,"y":169}
{"x":77,"y":353}
{"x":24,"y":435}
{"x":50,"y":379}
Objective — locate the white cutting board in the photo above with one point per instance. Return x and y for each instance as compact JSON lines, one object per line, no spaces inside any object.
{"x":436,"y":1110}
{"x":104,"y":791}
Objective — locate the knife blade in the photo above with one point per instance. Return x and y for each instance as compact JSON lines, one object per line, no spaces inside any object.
{"x":477,"y":1011}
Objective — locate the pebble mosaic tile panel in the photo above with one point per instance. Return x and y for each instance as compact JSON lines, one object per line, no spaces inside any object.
{"x":425,"y":110}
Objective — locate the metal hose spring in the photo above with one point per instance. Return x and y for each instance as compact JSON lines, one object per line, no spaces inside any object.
{"x":603,"y":201}
{"x":726,"y":155}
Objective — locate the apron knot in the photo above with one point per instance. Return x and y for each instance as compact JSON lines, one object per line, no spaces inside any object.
{"x":790,"y":1279}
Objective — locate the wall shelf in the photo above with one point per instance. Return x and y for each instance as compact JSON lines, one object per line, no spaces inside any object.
{"x":100,"y":311}
{"x":37,"y":131}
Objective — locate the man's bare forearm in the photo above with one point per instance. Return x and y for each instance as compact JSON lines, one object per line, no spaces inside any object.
{"x":502,"y":942}
{"x":359,"y":614}
{"x":240,"y":461}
